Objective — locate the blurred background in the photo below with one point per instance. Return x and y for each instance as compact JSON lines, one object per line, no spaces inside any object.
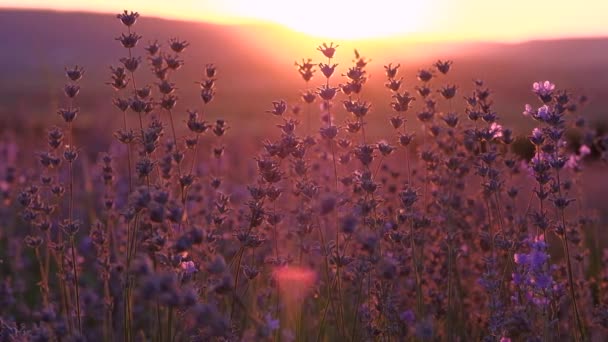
{"x":254,"y":47}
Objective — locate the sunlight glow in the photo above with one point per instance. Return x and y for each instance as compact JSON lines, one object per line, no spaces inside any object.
{"x":339,"y":20}
{"x":342,"y":19}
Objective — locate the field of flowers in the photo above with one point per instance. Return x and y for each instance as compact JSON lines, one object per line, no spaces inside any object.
{"x":449,"y":227}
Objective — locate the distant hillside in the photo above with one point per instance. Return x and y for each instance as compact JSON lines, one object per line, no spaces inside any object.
{"x":255,"y":64}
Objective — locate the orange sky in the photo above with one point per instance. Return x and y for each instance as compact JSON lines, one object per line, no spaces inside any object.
{"x":498,"y":20}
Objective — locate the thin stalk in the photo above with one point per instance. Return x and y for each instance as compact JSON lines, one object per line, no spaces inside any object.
{"x":354,"y":329}
{"x":64,"y":292}
{"x":71,"y":217}
{"x":276,"y":249}
{"x":335,"y":167}
{"x":450,"y":313}
{"x":179,"y":168}
{"x":76,"y":287}
{"x":47,"y":257}
{"x":170,"y":324}
{"x":44,"y":284}
{"x":329,"y":286}
{"x":238,"y":267}
{"x":566,"y":248}
{"x":416,"y":264}
{"x":124,"y":119}
{"x":141,"y":124}
{"x":159,"y":324}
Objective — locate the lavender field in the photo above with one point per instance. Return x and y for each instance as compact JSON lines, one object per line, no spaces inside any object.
{"x":149,"y":196}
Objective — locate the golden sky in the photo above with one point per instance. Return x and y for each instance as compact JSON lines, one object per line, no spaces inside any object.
{"x":495,"y":20}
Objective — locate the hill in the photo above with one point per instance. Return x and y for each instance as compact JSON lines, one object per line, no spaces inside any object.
{"x":255,"y":64}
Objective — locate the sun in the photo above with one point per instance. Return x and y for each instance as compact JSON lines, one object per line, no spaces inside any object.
{"x":350,"y":20}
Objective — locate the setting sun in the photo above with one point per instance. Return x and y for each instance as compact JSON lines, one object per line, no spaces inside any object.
{"x":342,"y":19}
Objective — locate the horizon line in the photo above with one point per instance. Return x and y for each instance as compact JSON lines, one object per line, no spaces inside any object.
{"x":432,"y":37}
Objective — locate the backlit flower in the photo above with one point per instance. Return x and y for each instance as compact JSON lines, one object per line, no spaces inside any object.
{"x":443,"y":66}
{"x":128,"y":18}
{"x":328,"y":50}
{"x":544,"y":90}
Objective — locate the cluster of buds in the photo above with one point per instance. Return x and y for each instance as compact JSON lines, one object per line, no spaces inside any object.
{"x":208,"y":84}
{"x":152,"y":135}
{"x":443,"y":66}
{"x":287,"y":145}
{"x":55,"y":137}
{"x":357,"y":108}
{"x":425,"y":75}
{"x":306,"y":69}
{"x":74,"y":75}
{"x":107,"y":170}
{"x":356,"y":76}
{"x":391,"y":74}
{"x":119,"y":78}
{"x":401,"y":101}
{"x":448,"y":91}
{"x":161,"y":66}
{"x":269,"y":170}
{"x":195,"y":124}
{"x":479,"y":107}
{"x":68,"y":115}
{"x":71,"y":90}
{"x":309,"y":96}
{"x":326,"y":92}
{"x":141,"y":101}
{"x":219,"y":130}
{"x":129,"y":40}
{"x":279,"y":108}
{"x":220,"y":127}
{"x":365,"y":154}
{"x":128,"y":18}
